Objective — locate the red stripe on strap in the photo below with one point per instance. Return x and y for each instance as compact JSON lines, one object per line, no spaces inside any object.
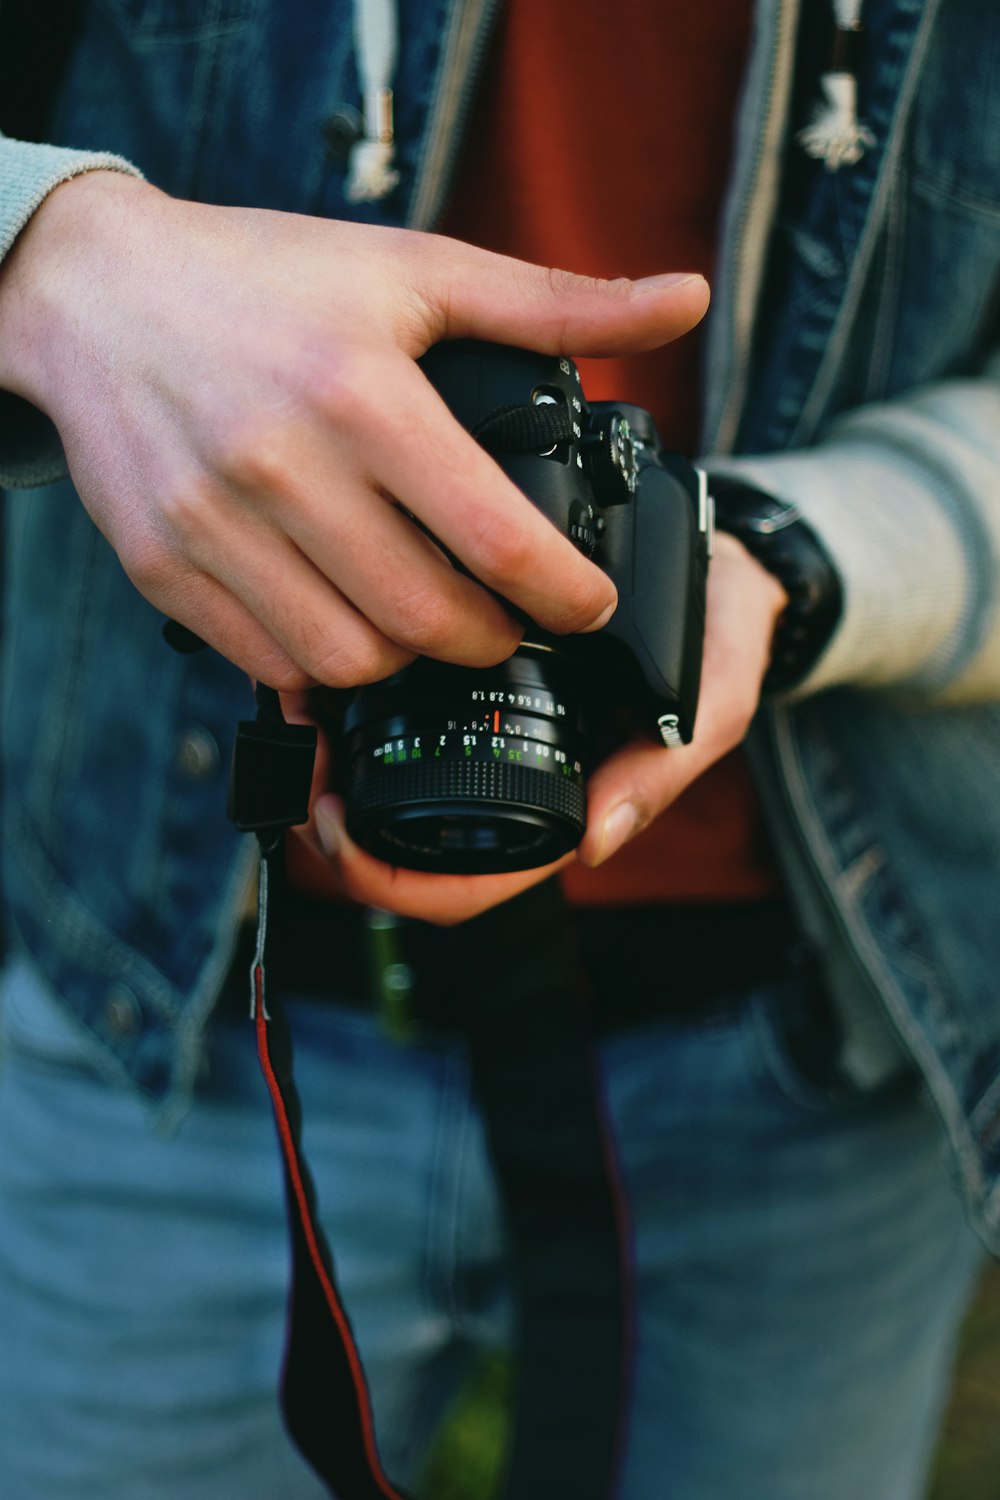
{"x":305,"y":1218}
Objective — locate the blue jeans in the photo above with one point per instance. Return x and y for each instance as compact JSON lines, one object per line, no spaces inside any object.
{"x":802,"y":1262}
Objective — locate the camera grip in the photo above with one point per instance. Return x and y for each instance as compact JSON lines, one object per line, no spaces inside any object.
{"x":659,"y":566}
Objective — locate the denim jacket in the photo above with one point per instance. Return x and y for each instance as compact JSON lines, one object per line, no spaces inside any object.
{"x":848,"y":369}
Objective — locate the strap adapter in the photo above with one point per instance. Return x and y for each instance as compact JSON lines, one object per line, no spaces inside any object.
{"x":271,"y":773}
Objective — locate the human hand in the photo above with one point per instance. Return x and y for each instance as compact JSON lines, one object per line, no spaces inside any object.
{"x":624,"y":793}
{"x":241,"y":413}
{"x":636,"y":783}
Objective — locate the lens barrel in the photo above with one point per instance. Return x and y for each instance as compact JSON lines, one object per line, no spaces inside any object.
{"x":467,"y":770}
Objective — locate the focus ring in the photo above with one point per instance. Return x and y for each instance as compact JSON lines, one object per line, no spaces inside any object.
{"x":470,"y":781}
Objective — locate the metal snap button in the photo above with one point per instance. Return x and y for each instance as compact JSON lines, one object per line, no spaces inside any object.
{"x":340,"y":131}
{"x":398,"y":977}
{"x":197,"y":753}
{"x":122,"y":1015}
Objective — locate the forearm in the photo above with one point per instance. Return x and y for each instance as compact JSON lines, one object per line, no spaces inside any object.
{"x":905,"y":496}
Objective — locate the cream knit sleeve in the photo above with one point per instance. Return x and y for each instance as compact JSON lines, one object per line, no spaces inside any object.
{"x":905,"y":496}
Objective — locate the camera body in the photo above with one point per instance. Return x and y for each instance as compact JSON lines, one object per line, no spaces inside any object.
{"x":474,"y":771}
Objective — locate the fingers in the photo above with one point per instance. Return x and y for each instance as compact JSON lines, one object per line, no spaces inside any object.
{"x":442,"y":899}
{"x":391,"y":595}
{"x":469,"y":504}
{"x":629,"y":789}
{"x":636,"y":783}
{"x":329,"y":485}
{"x":355,"y":875}
{"x":471,"y":293}
{"x":221,"y":621}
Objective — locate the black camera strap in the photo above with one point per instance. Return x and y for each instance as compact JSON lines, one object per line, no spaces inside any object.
{"x":534,"y":1071}
{"x":324,"y":1395}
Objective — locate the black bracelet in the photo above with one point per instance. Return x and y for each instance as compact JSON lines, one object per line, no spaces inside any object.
{"x":774,"y":532}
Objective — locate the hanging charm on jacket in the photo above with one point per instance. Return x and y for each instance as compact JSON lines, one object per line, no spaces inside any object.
{"x":372,"y":174}
{"x":835,"y":136}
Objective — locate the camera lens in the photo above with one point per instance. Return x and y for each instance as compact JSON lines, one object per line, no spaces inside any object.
{"x":469,"y":771}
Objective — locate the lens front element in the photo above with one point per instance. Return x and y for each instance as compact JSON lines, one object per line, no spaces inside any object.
{"x":466,"y":771}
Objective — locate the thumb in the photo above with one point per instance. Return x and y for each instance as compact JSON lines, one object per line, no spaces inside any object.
{"x":472,"y":293}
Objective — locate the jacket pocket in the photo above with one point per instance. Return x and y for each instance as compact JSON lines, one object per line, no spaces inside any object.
{"x":793,"y":1039}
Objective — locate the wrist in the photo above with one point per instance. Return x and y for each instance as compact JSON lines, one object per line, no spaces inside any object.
{"x":777,"y":537}
{"x":54,"y":260}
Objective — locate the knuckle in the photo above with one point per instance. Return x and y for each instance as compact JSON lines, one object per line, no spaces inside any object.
{"x":504,"y":549}
{"x":184,"y":506}
{"x":497,"y":645}
{"x":562,"y":283}
{"x":284,"y":675}
{"x":581,"y":600}
{"x":346,"y":392}
{"x":253,"y":457}
{"x":363,"y":658}
{"x":424,"y":620}
{"x":151,"y":565}
{"x":508,"y":555}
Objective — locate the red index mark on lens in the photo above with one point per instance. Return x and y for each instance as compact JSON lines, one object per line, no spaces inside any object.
{"x":496,"y":721}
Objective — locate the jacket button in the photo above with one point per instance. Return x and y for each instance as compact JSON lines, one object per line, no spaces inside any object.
{"x":340,"y":131}
{"x":197,"y":753}
{"x":398,"y":978}
{"x":121,"y":1015}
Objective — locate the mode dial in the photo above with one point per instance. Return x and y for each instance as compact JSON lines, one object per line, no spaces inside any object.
{"x":610,"y":457}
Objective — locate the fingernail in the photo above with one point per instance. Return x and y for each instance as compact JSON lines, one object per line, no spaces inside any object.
{"x":602,"y":618}
{"x":329,"y":827}
{"x":668,"y":279}
{"x":618,"y":826}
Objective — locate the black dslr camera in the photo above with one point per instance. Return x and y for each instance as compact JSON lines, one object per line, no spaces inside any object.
{"x":464,"y":770}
